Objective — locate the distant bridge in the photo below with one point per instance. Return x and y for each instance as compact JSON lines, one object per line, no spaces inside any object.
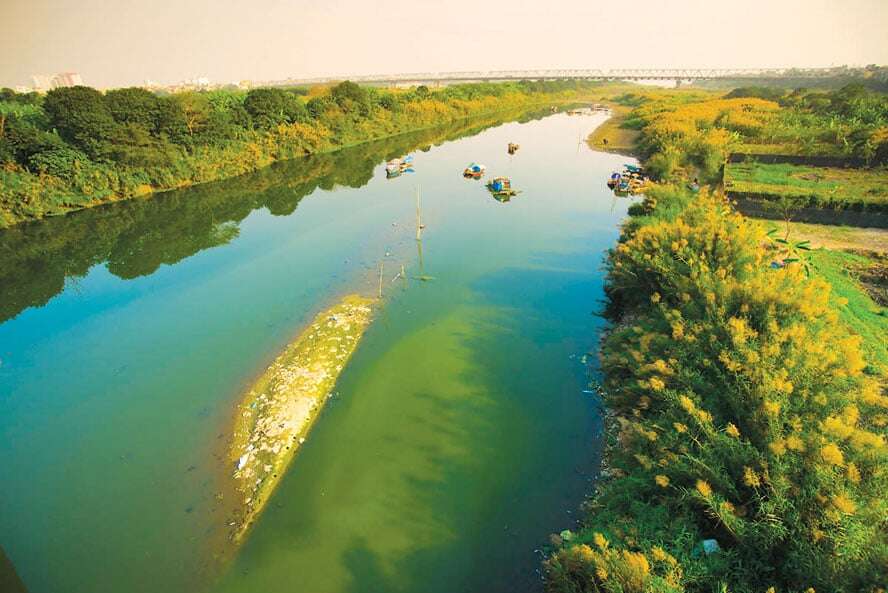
{"x":614,"y":74}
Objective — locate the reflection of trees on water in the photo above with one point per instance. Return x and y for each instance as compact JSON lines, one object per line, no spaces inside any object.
{"x":135,"y":237}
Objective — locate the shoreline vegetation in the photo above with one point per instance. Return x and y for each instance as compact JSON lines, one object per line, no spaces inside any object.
{"x":76,"y":148}
{"x":743,"y":376}
{"x":747,"y":440}
{"x":133,"y":238}
{"x":277,"y":412}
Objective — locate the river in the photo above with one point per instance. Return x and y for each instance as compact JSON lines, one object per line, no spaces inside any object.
{"x":458,"y":437}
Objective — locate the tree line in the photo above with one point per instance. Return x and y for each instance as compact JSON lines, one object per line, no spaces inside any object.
{"x":77,"y":146}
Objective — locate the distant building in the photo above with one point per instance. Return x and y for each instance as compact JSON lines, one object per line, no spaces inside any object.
{"x":66,"y":79}
{"x":42,"y":82}
{"x":46,"y":82}
{"x":198,"y":82}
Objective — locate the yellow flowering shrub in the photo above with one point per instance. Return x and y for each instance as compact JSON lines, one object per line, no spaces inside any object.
{"x":704,"y":488}
{"x":615,"y":570}
{"x":800,"y":500}
{"x":700,"y":133}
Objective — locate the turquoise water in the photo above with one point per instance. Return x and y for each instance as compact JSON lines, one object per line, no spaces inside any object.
{"x":458,"y":438}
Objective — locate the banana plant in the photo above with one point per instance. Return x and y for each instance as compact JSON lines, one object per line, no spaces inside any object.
{"x":791,"y":252}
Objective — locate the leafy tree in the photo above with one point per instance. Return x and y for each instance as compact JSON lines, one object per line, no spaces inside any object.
{"x":171,"y":121}
{"x":224,"y":125}
{"x":316,"y":106}
{"x":759,"y":92}
{"x":229,"y":113}
{"x":33,"y":114}
{"x":195,"y":110}
{"x":352,"y":97}
{"x":348,"y":91}
{"x":22,"y":140}
{"x":134,"y":106}
{"x":134,"y":146}
{"x":240,"y":117}
{"x":60,"y":161}
{"x":7,"y":94}
{"x":390,"y":102}
{"x":268,"y":108}
{"x":81,"y":117}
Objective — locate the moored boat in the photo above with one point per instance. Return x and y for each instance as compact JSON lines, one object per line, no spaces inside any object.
{"x":501,"y":187}
{"x":395,"y":167}
{"x":474,"y":170}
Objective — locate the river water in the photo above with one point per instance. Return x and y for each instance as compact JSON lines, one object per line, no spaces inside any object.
{"x":459,"y":435}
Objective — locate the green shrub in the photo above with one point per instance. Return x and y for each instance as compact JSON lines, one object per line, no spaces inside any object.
{"x":743,"y":414}
{"x":59,"y":161}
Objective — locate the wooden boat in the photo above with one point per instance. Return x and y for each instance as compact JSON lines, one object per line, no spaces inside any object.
{"x":513,"y":148}
{"x":395,"y":167}
{"x":501,"y":187}
{"x":474,"y":171}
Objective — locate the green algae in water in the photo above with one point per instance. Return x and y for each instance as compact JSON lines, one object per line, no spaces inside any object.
{"x":279,"y":408}
{"x":459,"y":442}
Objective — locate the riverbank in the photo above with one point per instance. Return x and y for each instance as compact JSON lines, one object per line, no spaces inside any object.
{"x":136,"y":237}
{"x":277,"y":412}
{"x":744,"y":373}
{"x":749,"y":419}
{"x":66,"y":178}
{"x":612,"y":136}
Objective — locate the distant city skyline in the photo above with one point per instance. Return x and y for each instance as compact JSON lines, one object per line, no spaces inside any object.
{"x":131,"y":41}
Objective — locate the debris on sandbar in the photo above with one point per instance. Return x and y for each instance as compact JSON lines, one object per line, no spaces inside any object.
{"x":278,"y":410}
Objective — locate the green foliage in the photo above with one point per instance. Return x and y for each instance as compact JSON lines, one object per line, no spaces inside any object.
{"x":744,"y":411}
{"x":81,"y":117}
{"x":664,"y":164}
{"x":22,"y":139}
{"x":348,"y":91}
{"x":134,"y":237}
{"x":9,"y":95}
{"x":134,"y":106}
{"x":856,"y":308}
{"x":759,"y":92}
{"x":60,"y":161}
{"x":390,"y":102}
{"x":193,"y":110}
{"x":130,"y":142}
{"x":704,"y":129}
{"x":317,"y":106}
{"x":171,"y":121}
{"x":271,"y":107}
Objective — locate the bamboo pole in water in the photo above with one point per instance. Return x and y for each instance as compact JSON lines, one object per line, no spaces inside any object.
{"x":381,"y":264}
{"x":419,"y":225}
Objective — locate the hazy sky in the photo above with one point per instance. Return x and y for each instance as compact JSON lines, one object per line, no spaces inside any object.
{"x":122,"y":42}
